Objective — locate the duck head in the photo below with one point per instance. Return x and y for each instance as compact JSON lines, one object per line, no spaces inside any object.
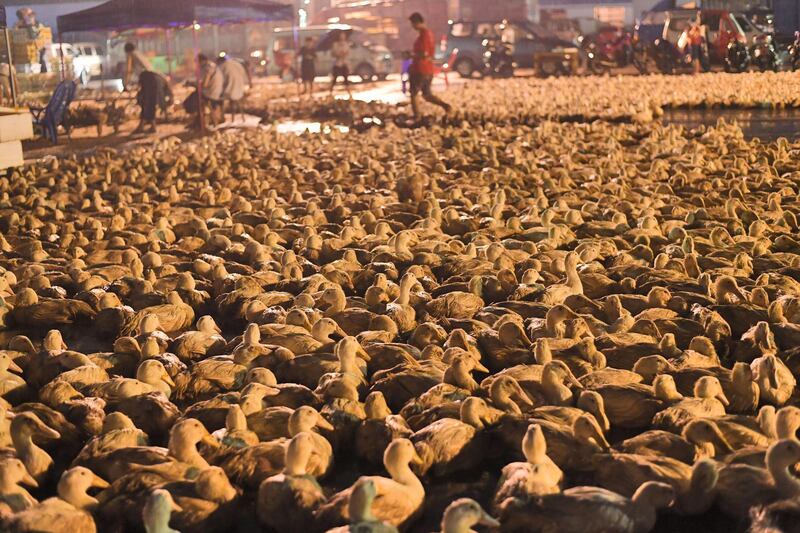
{"x":651,"y":366}
{"x":654,"y":494}
{"x":399,"y":454}
{"x":305,"y":418}
{"x":152,"y":372}
{"x":297,"y":454}
{"x":212,"y":485}
{"x":73,"y":485}
{"x":706,"y":434}
{"x":361,"y":498}
{"x":541,"y":351}
{"x":475,"y":412}
{"x":782,"y":455}
{"x":13,"y":473}
{"x":376,"y":407}
{"x":6,"y":364}
{"x":554,"y":376}
{"x":725,"y":288}
{"x":326,"y":330}
{"x":534,"y":445}
{"x":462,"y":514}
{"x":184,"y":437}
{"x":787,"y":422}
{"x":586,"y":429}
{"x":506,"y":393}
{"x":555,"y":318}
{"x":158,"y":510}
{"x":592,"y":402}
{"x":117,"y":421}
{"x":665,"y":388}
{"x":512,"y":334}
{"x":710,"y":387}
{"x":207,"y":325}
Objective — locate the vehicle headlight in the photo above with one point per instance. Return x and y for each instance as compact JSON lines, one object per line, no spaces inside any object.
{"x":487,"y":54}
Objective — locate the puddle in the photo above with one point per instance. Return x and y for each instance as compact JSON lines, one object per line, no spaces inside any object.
{"x":299,"y":127}
{"x":765,"y":124}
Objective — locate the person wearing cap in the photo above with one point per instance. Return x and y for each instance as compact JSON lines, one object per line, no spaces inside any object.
{"x":420,"y":74}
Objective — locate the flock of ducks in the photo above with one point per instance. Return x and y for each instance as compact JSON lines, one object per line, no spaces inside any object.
{"x":625,"y":98}
{"x":566,"y":328}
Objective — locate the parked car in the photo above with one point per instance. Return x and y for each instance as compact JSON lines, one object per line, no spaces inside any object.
{"x":526,"y":38}
{"x":367,"y":60}
{"x":721,"y":29}
{"x":87,"y":61}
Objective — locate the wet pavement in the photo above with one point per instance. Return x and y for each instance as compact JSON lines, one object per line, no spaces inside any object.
{"x":765,"y":124}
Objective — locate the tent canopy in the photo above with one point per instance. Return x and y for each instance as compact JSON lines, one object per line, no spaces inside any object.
{"x":120,"y":15}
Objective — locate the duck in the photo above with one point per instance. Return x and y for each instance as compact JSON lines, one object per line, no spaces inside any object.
{"x":361,"y":517}
{"x":524,"y":481}
{"x":13,"y":497}
{"x":24,"y":428}
{"x":449,"y":445}
{"x":709,"y":401}
{"x":399,"y":498}
{"x":575,"y":510}
{"x":70,"y":509}
{"x":206,"y":341}
{"x":289,"y":499}
{"x":740,"y":486}
{"x":463,"y":513}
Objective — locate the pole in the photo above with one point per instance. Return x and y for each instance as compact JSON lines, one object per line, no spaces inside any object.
{"x":62,"y":66}
{"x":168,"y":37}
{"x":199,"y":76}
{"x":11,"y":75}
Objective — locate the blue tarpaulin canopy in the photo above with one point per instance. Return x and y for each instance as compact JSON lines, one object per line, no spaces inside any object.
{"x":120,"y":15}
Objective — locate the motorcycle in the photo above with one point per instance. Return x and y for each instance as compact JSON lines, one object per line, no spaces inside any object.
{"x":670,"y":58}
{"x":737,"y":58}
{"x":763,"y":53}
{"x":793,"y":58}
{"x":620,"y":53}
{"x":498,"y":59}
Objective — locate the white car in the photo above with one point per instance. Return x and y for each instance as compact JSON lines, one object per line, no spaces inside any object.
{"x":86,"y":58}
{"x":87,"y":61}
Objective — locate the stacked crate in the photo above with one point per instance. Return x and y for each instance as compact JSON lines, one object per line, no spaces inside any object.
{"x":26,"y":43}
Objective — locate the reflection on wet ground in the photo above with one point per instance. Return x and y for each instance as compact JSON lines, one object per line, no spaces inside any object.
{"x":300,"y":126}
{"x":766,"y":124}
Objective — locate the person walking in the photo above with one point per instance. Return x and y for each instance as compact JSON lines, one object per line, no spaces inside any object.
{"x":340,"y":50}
{"x":308,"y":67}
{"x":421,"y":72}
{"x":153,"y":88}
{"x":695,"y":37}
{"x":235,"y":81}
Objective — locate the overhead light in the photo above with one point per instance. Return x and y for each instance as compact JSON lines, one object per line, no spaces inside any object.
{"x":196,"y":26}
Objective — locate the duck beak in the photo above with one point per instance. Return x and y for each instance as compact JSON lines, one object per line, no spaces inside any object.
{"x":521,"y":396}
{"x":721,"y":443}
{"x":480,"y":368}
{"x":99,"y":482}
{"x":177,"y":508}
{"x":324,"y":424}
{"x":605,"y":423}
{"x":14,"y":367}
{"x":210,"y":440}
{"x":722,"y":398}
{"x":573,"y":380}
{"x":487,"y":520}
{"x":167,"y":379}
{"x":416,"y":459}
{"x":28,"y":480}
{"x":49,"y":432}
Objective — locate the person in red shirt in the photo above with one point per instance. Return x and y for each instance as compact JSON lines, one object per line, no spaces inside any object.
{"x":420,"y":75}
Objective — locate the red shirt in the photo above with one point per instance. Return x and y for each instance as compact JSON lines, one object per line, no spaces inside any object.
{"x":423,"y":46}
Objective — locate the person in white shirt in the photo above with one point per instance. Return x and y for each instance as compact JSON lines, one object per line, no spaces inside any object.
{"x":236,"y":81}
